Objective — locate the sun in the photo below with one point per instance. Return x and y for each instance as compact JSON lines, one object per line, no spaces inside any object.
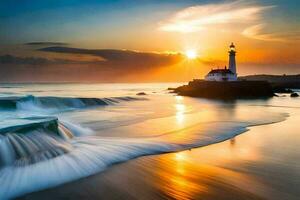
{"x":191,"y":54}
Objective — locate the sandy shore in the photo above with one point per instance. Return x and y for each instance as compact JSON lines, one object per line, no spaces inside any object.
{"x":263,"y":163}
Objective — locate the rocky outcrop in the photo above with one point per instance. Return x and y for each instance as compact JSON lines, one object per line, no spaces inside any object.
{"x":294,"y":94}
{"x":226,"y":90}
{"x":141,"y":93}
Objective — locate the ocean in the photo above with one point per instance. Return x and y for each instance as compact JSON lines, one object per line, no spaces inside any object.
{"x":52,"y":134}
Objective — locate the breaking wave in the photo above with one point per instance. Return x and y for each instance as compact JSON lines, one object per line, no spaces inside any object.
{"x":50,"y":151}
{"x":32,"y":103}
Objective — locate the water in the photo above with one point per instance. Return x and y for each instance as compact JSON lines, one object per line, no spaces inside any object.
{"x":51,"y":134}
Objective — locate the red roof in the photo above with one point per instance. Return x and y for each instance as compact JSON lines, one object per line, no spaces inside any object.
{"x":220,"y":71}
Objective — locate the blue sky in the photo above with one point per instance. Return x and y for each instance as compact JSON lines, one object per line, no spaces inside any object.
{"x":71,"y":20}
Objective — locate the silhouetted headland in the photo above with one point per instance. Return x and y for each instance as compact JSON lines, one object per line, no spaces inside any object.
{"x":226,"y":89}
{"x":279,"y":83}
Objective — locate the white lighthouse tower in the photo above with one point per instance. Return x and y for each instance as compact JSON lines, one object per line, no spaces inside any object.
{"x":225,"y":74}
{"x":232,"y":63}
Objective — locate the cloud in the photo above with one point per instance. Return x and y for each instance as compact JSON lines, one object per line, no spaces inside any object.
{"x":259,"y":32}
{"x":111,"y":65}
{"x":102,"y":57}
{"x":126,"y":57}
{"x":46,"y":44}
{"x":246,"y":17}
{"x":196,"y":18}
{"x":10,"y":59}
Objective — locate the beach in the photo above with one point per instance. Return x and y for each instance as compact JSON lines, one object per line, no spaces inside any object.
{"x":259,"y":163}
{"x":262,"y":163}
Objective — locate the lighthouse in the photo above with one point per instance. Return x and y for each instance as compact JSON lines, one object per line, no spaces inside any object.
{"x":232,"y":63}
{"x":225,"y":74}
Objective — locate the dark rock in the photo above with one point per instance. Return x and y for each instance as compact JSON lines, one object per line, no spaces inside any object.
{"x":294,"y":94}
{"x":278,"y":89}
{"x":226,"y":90}
{"x":171,"y":88}
{"x":141,"y":93}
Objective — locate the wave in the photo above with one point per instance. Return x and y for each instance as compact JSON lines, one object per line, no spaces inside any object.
{"x":49,"y":151}
{"x":29,"y":143}
{"x":33,"y":103}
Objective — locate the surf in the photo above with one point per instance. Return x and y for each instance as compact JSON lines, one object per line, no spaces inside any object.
{"x":48,"y":150}
{"x":31,"y":102}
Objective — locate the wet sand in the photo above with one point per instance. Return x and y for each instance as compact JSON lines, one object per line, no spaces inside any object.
{"x":263,"y":163}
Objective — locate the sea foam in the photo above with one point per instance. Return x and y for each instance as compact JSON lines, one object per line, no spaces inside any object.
{"x":40,"y":158}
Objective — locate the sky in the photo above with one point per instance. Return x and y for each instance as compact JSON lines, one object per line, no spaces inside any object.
{"x":146,"y":40}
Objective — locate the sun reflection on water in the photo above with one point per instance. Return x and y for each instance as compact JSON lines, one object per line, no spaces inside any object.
{"x":180,"y":110}
{"x":179,"y":177}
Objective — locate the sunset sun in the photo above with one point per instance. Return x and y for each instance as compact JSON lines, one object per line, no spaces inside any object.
{"x":191,"y":54}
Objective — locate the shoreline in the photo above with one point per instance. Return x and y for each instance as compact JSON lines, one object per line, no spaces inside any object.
{"x":111,"y":188}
